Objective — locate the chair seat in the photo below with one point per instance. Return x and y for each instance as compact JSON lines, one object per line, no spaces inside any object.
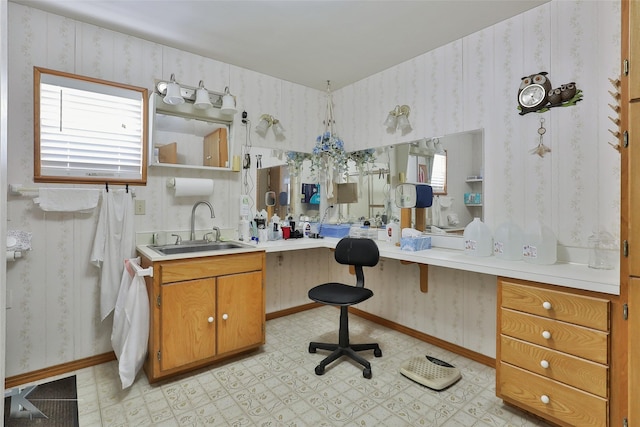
{"x":339,"y":294}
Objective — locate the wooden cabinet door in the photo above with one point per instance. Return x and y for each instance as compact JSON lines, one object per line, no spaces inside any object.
{"x":634,"y":50}
{"x":634,"y":352}
{"x":240,"y":311}
{"x":187,"y":322}
{"x":634,"y":188}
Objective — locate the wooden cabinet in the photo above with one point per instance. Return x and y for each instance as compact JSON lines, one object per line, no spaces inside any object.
{"x":553,"y":352}
{"x":203,"y":310}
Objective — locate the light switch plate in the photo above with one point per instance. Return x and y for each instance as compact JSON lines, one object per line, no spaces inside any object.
{"x":139,"y":207}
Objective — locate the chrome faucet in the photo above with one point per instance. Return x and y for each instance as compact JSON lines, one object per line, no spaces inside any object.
{"x":193,"y":216}
{"x":217,"y":233}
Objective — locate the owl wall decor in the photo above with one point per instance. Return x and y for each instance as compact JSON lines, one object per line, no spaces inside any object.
{"x":536,"y":94}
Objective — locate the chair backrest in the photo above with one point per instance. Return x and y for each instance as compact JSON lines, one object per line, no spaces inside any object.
{"x":359,"y":253}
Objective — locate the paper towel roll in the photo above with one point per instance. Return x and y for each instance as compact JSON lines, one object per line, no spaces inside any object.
{"x":191,"y":186}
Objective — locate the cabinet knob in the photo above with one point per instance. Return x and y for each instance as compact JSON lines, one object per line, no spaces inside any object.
{"x":210,"y":319}
{"x":546,"y":305}
{"x":545,"y":399}
{"x":544,"y":364}
{"x":225,"y":316}
{"x":546,"y":335}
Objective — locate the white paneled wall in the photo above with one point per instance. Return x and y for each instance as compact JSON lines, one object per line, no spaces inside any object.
{"x":468,"y":84}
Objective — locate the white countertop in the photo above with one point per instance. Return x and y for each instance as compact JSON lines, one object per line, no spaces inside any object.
{"x":578,"y":276}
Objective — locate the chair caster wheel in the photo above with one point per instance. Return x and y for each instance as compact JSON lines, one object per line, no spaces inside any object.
{"x":366,"y":373}
{"x":377,"y":352}
{"x":319,"y":370}
{"x":312,"y":349}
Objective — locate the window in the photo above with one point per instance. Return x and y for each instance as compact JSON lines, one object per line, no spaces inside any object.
{"x":88,"y":130}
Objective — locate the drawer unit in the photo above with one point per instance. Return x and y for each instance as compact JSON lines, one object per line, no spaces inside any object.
{"x":553,"y":352}
{"x":571,"y":370}
{"x":553,"y":399}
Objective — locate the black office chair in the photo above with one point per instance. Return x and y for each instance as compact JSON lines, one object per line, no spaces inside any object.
{"x":358,"y":253}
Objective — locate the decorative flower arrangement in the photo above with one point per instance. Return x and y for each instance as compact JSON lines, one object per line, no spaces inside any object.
{"x":362,"y":158}
{"x":294,"y":161}
{"x":328,"y":155}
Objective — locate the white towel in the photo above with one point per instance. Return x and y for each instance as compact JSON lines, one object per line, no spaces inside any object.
{"x":115,"y":241}
{"x":68,"y":199}
{"x":130,"y":332}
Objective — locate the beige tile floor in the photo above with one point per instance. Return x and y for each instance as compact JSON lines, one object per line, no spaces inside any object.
{"x":277,"y":386}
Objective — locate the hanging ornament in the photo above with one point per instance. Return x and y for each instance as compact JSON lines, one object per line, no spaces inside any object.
{"x":541,"y":149}
{"x":328,"y":156}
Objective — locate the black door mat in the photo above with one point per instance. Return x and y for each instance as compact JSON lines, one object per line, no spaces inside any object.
{"x":46,"y":405}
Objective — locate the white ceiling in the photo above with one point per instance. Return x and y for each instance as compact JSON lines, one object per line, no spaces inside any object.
{"x":305,"y":42}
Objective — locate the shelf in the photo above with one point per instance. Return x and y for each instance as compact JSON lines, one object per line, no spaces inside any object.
{"x":473,"y":204}
{"x":180,"y":166}
{"x":474,"y":180}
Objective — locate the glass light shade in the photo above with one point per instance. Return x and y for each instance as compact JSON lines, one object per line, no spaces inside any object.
{"x":278,"y":130}
{"x":391,"y":122}
{"x":173,"y":96}
{"x":403,"y":123}
{"x":228,"y":103}
{"x":262,"y":127}
{"x":202,"y":99}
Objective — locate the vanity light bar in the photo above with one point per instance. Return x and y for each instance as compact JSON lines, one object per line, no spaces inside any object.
{"x":189,"y":93}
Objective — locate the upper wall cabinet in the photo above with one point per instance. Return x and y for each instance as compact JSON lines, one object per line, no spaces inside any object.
{"x":184,"y":136}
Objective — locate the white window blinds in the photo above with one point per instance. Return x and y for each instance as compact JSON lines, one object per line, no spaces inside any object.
{"x":91,"y":130}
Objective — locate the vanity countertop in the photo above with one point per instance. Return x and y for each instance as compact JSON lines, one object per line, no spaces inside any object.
{"x":571,"y":275}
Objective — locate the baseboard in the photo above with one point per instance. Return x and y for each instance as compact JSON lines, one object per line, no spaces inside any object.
{"x":292,"y":310}
{"x":454,"y":348}
{"x":64,"y":368}
{"x":55,"y":370}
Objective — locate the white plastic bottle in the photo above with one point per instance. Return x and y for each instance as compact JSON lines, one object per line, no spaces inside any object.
{"x":477,"y":239}
{"x":507,"y":241}
{"x":393,"y":233}
{"x":540,"y":245}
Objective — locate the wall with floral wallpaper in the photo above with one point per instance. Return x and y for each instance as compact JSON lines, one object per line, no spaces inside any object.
{"x":468,"y":84}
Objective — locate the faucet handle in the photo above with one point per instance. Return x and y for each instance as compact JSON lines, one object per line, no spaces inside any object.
{"x":208,"y":236}
{"x":178,"y":239}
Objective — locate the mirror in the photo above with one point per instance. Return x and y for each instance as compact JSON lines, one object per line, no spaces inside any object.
{"x":452,"y":164}
{"x":187,"y":137}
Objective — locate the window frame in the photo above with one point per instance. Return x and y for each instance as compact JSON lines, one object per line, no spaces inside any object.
{"x":38,"y":72}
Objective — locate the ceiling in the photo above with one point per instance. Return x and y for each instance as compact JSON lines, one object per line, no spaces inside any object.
{"x":304,"y":42}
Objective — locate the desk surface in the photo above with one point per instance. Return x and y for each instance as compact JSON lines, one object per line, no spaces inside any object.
{"x":578,"y":276}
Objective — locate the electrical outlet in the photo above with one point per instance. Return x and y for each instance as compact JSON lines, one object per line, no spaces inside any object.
{"x":139,"y":207}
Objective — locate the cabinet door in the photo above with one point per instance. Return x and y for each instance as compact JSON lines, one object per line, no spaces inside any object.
{"x":240,"y":311}
{"x":634,"y":179}
{"x":634,"y":50}
{"x":187,"y":322}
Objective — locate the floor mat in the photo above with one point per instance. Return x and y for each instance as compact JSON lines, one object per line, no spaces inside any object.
{"x":46,"y":405}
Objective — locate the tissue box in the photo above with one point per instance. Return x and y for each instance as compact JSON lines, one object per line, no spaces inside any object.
{"x":334,"y":230}
{"x":414,"y":244}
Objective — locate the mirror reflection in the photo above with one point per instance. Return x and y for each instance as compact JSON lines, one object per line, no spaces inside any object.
{"x":451,"y":164}
{"x":183,"y":136}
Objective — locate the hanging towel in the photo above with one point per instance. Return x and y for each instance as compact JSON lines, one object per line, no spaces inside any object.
{"x":115,"y":241}
{"x":130,"y":332}
{"x":67,"y":199}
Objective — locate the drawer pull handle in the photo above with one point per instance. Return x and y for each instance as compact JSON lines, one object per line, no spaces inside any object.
{"x":210,"y":319}
{"x":546,"y":335}
{"x":544,"y":364}
{"x":546,"y":305}
{"x":545,"y":399}
{"x":225,"y":316}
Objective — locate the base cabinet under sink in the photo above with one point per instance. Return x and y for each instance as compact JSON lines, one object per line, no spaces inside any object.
{"x":203,"y":310}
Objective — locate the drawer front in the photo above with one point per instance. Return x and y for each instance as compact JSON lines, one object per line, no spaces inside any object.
{"x":571,"y":370}
{"x":567,"y":404}
{"x":573,"y":339}
{"x":199,"y":268}
{"x":579,"y":309}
